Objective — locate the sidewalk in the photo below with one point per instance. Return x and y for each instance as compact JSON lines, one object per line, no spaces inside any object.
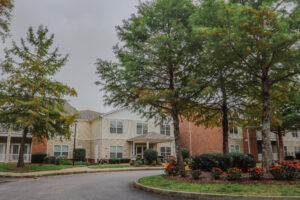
{"x":75,"y":170}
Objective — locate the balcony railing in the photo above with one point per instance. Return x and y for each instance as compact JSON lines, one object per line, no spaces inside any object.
{"x":275,"y":157}
{"x":259,"y":136}
{"x":15,"y":157}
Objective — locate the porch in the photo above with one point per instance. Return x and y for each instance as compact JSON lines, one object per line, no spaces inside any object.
{"x":10,"y":143}
{"x":149,"y":140}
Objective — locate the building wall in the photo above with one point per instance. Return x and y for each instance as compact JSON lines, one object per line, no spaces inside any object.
{"x":202,"y":140}
{"x":39,"y":146}
{"x":291,"y":142}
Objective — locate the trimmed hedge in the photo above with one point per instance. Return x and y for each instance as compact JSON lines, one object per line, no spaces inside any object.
{"x":297,"y":155}
{"x":206,"y":162}
{"x":80,"y":154}
{"x":118,"y":160}
{"x":150,"y":155}
{"x":38,"y":157}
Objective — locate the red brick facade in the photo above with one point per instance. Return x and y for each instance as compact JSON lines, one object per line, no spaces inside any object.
{"x":39,"y":146}
{"x":198,"y":139}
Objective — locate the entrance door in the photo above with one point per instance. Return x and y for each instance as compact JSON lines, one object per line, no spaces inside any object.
{"x":140,"y":150}
{"x":2,"y":152}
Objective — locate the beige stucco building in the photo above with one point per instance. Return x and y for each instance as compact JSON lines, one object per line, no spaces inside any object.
{"x":117,"y":134}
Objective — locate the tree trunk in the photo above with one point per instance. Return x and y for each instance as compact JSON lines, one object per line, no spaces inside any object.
{"x":225,"y":128}
{"x":267,"y":154}
{"x":179,"y":159}
{"x":21,"y":153}
{"x":224,"y":116}
{"x":280,"y":144}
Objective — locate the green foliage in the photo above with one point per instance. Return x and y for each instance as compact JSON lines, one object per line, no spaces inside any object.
{"x":59,"y":160}
{"x":80,"y":154}
{"x":256,"y":173}
{"x":49,"y":160}
{"x":30,"y":99}
{"x":38,"y":157}
{"x":172,"y":169}
{"x":185,"y":154}
{"x":216,"y":173}
{"x":234,"y":174}
{"x":150,"y":155}
{"x":196,"y":174}
{"x":284,"y":170}
{"x":207,"y":162}
{"x":183,"y":173}
{"x":6,"y":7}
{"x":114,"y":161}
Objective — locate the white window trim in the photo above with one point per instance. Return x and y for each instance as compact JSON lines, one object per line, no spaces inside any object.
{"x":165,"y":129}
{"x":233,"y":133}
{"x":61,"y":149}
{"x":235,"y":148}
{"x":116,"y":146}
{"x":165,"y":150}
{"x":143,"y":124}
{"x":116,"y":126}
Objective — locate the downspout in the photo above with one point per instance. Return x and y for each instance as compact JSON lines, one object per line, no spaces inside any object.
{"x":191,"y":145}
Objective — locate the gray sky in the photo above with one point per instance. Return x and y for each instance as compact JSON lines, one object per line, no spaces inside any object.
{"x":83,"y":29}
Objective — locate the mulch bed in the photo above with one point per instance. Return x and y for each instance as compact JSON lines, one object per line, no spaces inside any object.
{"x":206,"y":178}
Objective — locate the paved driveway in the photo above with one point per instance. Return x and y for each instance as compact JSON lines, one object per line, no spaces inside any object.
{"x":102,"y":186}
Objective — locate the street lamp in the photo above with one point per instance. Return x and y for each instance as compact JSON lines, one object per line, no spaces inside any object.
{"x":74,"y":142}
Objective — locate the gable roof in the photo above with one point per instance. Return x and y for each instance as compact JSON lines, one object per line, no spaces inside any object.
{"x":88,"y":115}
{"x":70,"y":109}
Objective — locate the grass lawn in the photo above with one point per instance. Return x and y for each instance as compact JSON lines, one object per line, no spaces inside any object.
{"x":107,"y":166}
{"x":234,"y":189}
{"x":33,"y":168}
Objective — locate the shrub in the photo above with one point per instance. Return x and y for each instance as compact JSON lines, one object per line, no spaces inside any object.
{"x":158,"y":161}
{"x":207,"y":161}
{"x":114,"y":161}
{"x":52,"y":160}
{"x":60,"y":159}
{"x":183,"y":173}
{"x":216,"y":173}
{"x":284,"y":170}
{"x":297,"y":155}
{"x":150,"y":155}
{"x":79,"y":154}
{"x":185,"y":153}
{"x":138,"y":163}
{"x":256,"y":173}
{"x":38,"y":157}
{"x":172,"y":169}
{"x":124,"y":160}
{"x":234,"y":173}
{"x":289,"y":158}
{"x":46,"y":160}
{"x":196,"y":174}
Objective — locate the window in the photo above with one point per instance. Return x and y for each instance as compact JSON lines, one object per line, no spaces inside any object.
{"x":297,"y":149}
{"x":165,"y":129}
{"x":116,"y":127}
{"x":233,"y":130}
{"x":61,"y":150}
{"x":141,"y":128}
{"x":116,"y":152}
{"x":165,"y":151}
{"x":234,"y":148}
{"x":285,"y":150}
{"x":295,"y":133}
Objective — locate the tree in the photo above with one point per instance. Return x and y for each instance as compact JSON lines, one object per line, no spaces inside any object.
{"x":6,"y":7}
{"x":30,"y":99}
{"x":159,"y":70}
{"x":265,"y":41}
{"x":226,"y":91}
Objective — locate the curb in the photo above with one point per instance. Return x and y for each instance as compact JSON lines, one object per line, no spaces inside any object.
{"x":56,"y":173}
{"x":207,"y":196}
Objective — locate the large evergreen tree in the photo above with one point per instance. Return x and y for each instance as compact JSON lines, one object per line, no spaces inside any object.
{"x":5,"y":15}
{"x":159,"y":70}
{"x":30,"y":99}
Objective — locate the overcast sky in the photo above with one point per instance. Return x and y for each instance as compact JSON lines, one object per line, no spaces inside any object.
{"x":83,"y":29}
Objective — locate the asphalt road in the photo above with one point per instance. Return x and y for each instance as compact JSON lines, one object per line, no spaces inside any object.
{"x":101,"y":186}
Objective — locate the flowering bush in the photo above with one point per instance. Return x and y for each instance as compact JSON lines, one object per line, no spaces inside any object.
{"x":196,"y":174}
{"x":233,"y":173}
{"x":171,"y":169}
{"x":256,"y":173}
{"x":284,"y":170}
{"x":216,"y":173}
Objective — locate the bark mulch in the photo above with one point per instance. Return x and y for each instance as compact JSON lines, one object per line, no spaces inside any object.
{"x":206,"y":178}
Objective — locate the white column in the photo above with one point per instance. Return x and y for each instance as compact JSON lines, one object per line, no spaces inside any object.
{"x":147,"y":144}
{"x":133,"y":148}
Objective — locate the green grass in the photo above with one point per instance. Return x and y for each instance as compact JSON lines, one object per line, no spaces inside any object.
{"x":234,"y":189}
{"x":258,"y":164}
{"x":33,"y":168}
{"x":107,"y":166}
